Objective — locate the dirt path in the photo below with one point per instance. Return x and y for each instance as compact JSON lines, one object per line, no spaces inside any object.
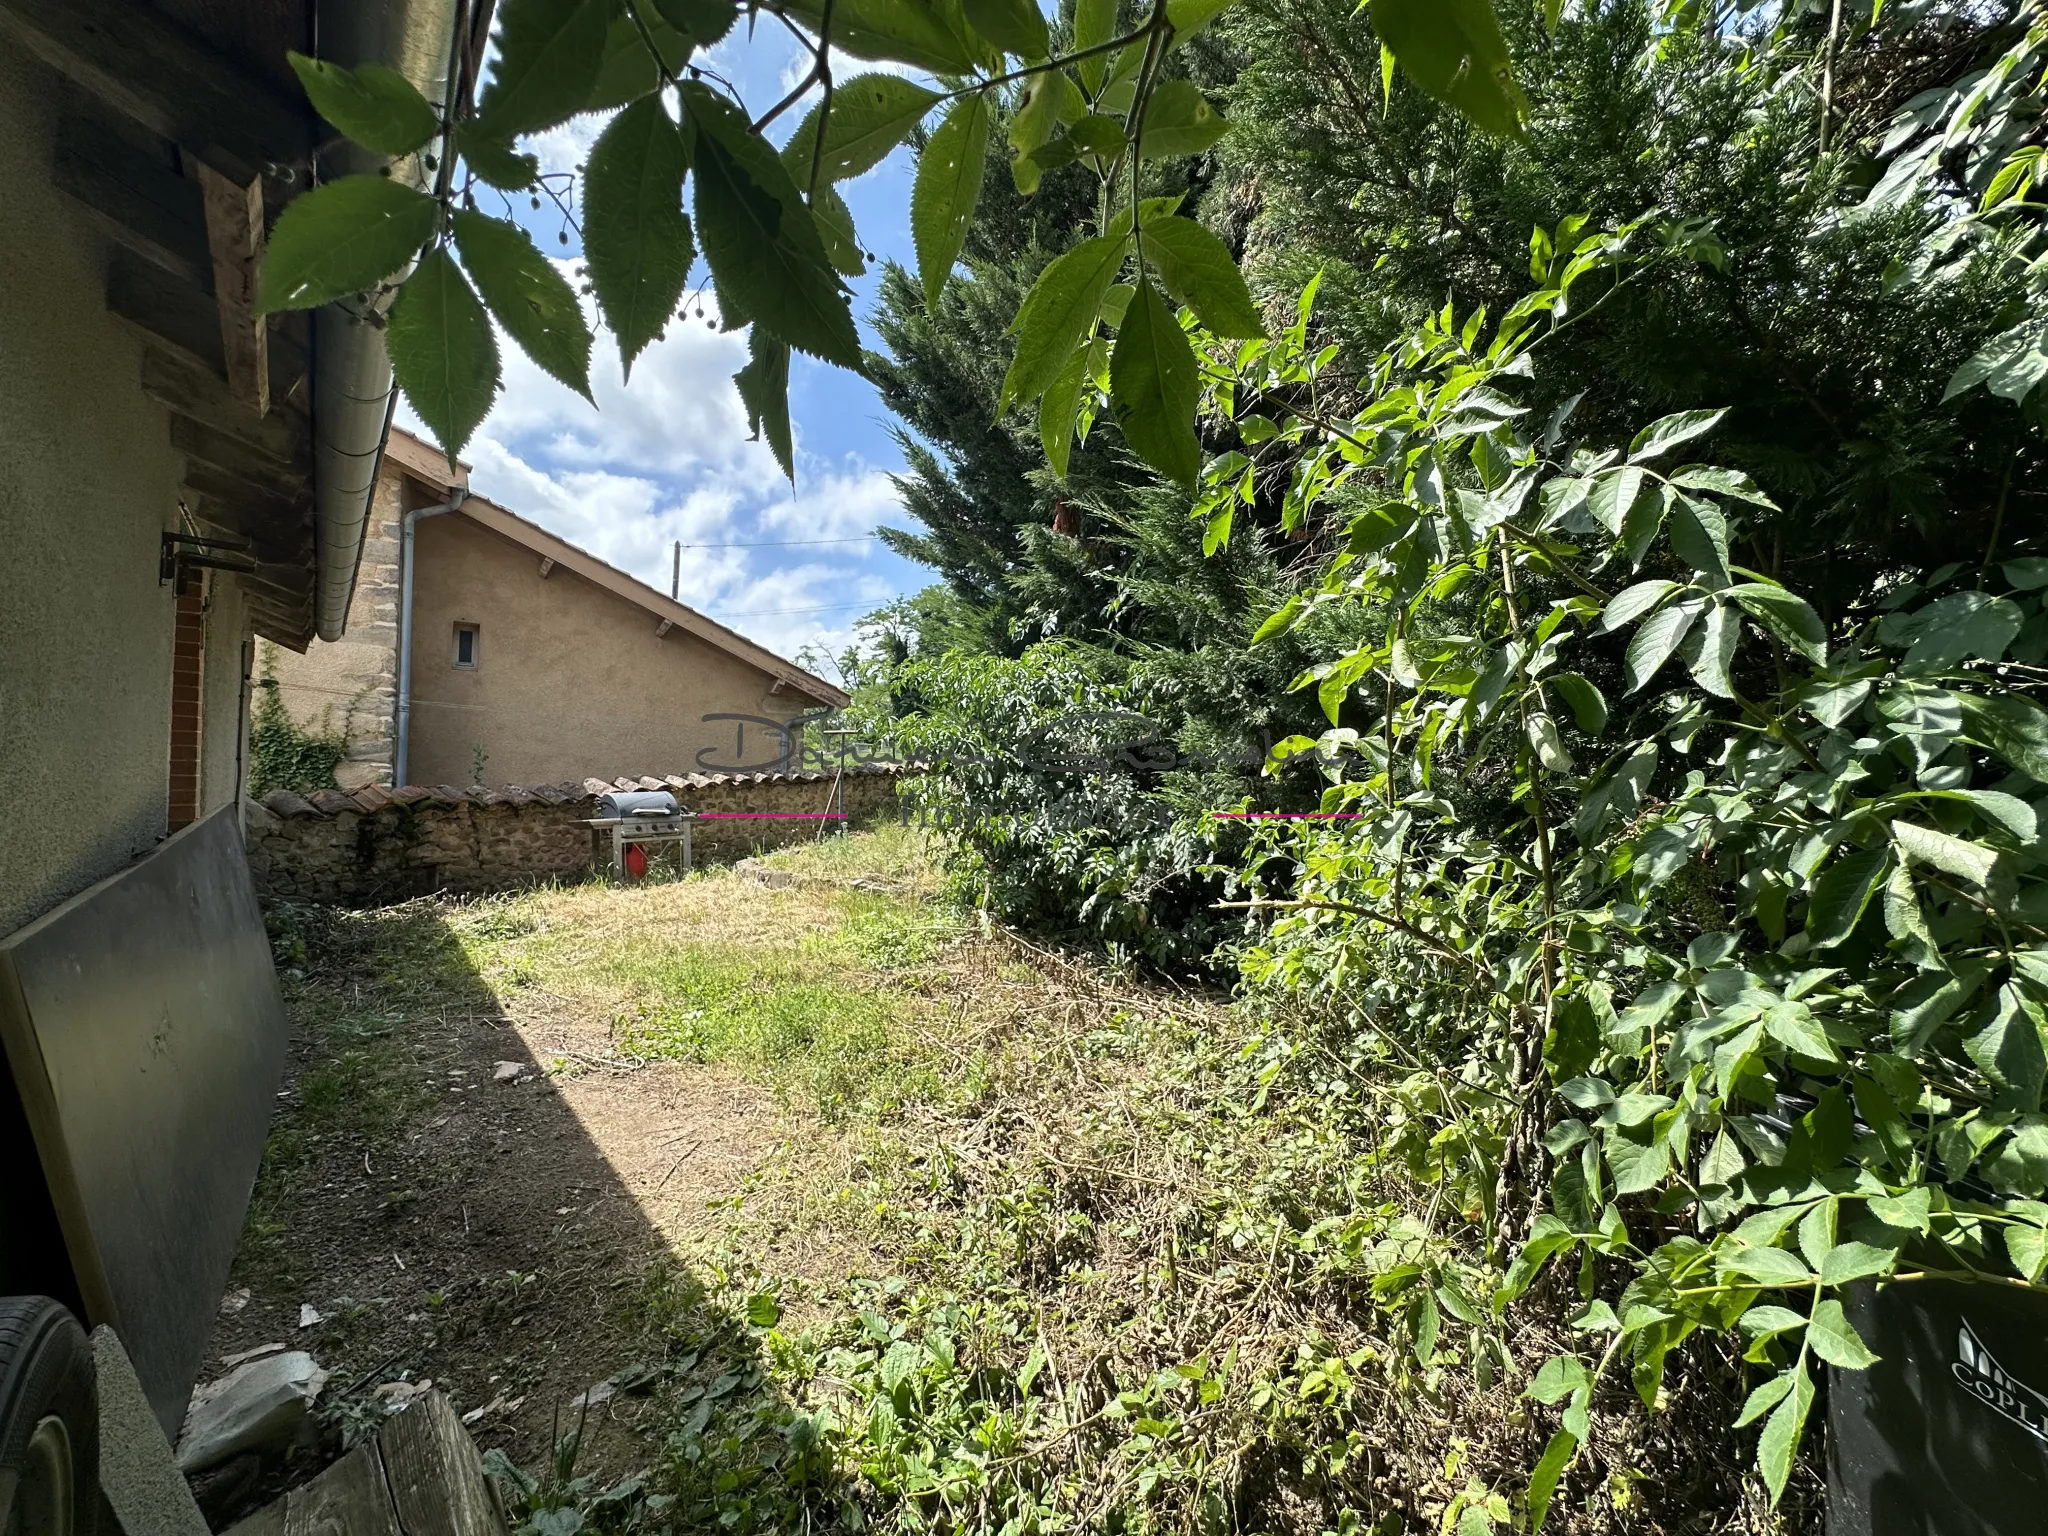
{"x":469,"y":1189}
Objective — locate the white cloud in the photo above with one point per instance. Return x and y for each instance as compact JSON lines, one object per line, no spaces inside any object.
{"x":564,"y":148}
{"x":844,"y":67}
{"x":668,"y":458}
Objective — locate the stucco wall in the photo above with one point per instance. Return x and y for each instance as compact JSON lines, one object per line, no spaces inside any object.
{"x":571,"y":679}
{"x":87,"y":483}
{"x":350,"y":684}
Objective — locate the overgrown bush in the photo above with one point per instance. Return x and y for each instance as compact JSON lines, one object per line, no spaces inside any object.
{"x":1742,"y":1001}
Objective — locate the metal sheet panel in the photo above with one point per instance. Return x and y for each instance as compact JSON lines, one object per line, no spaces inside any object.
{"x":145,"y":1030}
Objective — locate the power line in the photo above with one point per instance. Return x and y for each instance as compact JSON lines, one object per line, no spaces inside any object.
{"x":865,"y":538}
{"x":777,"y":613}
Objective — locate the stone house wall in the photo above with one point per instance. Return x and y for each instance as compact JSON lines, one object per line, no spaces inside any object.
{"x":378,"y":845}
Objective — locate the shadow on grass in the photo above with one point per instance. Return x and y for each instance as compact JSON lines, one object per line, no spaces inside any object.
{"x":432,"y":1208}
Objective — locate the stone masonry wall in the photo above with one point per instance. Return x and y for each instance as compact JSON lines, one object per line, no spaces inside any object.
{"x":384,"y":845}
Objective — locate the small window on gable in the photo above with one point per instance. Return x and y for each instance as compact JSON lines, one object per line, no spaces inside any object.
{"x":465,"y":646}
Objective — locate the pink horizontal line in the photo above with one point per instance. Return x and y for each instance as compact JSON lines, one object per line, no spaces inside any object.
{"x":771,"y":815}
{"x":1292,"y":815}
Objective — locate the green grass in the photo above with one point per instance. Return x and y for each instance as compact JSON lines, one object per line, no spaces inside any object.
{"x":792,"y":1018}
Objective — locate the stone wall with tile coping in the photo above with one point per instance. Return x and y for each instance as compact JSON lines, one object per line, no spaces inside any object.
{"x":377,"y":845}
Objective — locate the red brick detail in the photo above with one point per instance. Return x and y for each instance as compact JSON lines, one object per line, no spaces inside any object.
{"x":188,"y":652}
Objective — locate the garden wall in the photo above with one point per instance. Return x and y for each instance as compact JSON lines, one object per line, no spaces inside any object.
{"x":379,"y":845}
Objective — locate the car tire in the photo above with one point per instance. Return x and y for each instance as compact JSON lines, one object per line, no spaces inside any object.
{"x":49,"y":1422}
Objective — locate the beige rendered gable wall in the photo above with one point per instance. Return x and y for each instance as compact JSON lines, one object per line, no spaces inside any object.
{"x":571,"y":679}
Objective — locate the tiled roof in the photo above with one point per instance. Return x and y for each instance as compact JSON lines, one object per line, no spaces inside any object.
{"x":375,"y":797}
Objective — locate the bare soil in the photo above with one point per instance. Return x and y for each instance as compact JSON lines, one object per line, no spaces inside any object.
{"x":486,"y":1230}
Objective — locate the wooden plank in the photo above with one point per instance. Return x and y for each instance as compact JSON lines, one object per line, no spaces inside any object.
{"x":349,"y":1499}
{"x":234,"y":238}
{"x":256,"y":503}
{"x":182,"y":315}
{"x":277,"y":547}
{"x":436,"y":1477}
{"x":172,"y":378}
{"x":287,"y":480}
{"x":139,"y":61}
{"x":142,"y":201}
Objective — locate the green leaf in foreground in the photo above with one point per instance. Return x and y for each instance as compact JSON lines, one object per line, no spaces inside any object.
{"x":871,"y":115}
{"x":948,"y":186}
{"x":549,"y":56}
{"x":341,"y":239}
{"x":1198,"y":270}
{"x":1454,"y":50}
{"x":834,"y":222}
{"x":1058,"y":313}
{"x":1842,"y":894}
{"x":442,"y":351}
{"x":1047,"y":97}
{"x":1154,"y":387}
{"x":1668,"y":432}
{"x":1094,"y":25}
{"x":1655,"y":641}
{"x":761,"y":240}
{"x":1015,"y":26}
{"x":1835,"y":1340}
{"x":529,"y":297}
{"x":629,"y":70}
{"x":1786,"y":615}
{"x":374,"y":105}
{"x":705,"y":20}
{"x":764,"y":389}
{"x":495,"y":163}
{"x":1550,"y":1469}
{"x":1589,"y":706}
{"x":1057,"y":407}
{"x":1179,"y":121}
{"x":636,"y":240}
{"x":1782,"y":1431}
{"x":2015,"y":728}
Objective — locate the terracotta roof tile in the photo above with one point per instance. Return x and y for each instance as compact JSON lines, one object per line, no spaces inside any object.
{"x":330,"y":802}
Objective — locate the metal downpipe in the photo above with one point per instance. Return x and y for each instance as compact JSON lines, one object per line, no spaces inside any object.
{"x":353,"y":396}
{"x":401,"y":756}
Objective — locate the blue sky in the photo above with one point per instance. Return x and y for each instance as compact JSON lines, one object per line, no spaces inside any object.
{"x":668,"y":458}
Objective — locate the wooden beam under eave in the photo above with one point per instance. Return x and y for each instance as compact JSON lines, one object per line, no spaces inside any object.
{"x":291,"y":629}
{"x":139,"y":61}
{"x":287,"y":480}
{"x":142,"y":202}
{"x":256,"y":500}
{"x":182,"y":317}
{"x":234,"y":239}
{"x":174,"y":380}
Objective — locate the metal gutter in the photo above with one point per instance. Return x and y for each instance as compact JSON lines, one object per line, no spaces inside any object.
{"x":402,"y":746}
{"x":353,"y":398}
